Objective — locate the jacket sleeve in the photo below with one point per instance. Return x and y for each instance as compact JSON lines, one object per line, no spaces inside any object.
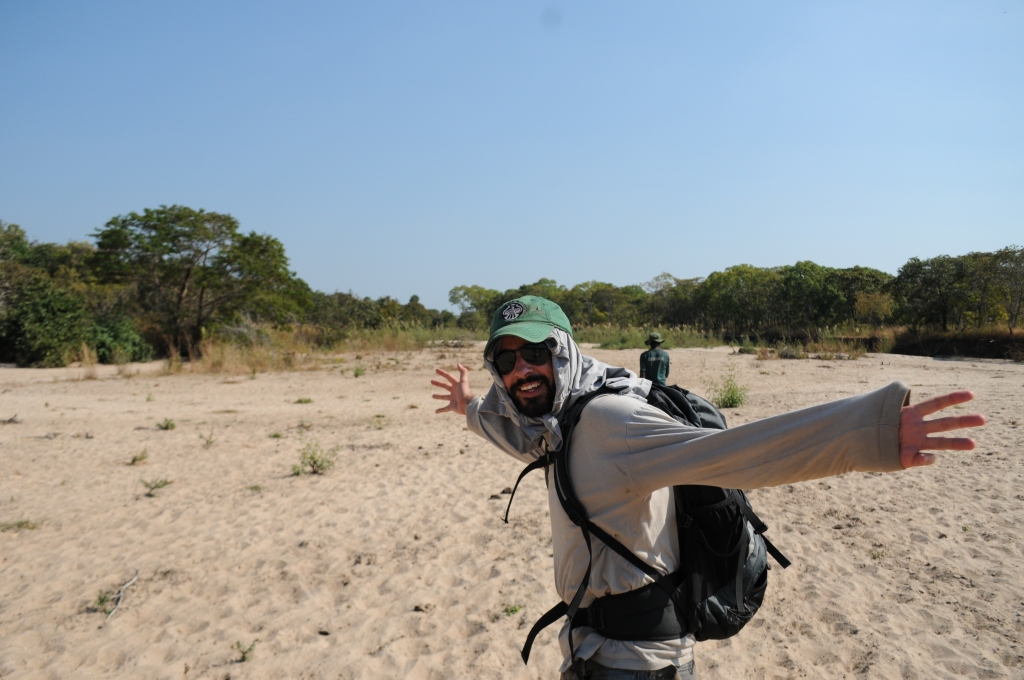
{"x":856,"y":434}
{"x":502,"y":433}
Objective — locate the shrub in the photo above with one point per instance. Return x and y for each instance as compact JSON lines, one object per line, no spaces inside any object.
{"x":42,"y":325}
{"x":153,"y":486}
{"x":118,"y":341}
{"x":315,"y":460}
{"x":245,"y":652}
{"x":21,"y":525}
{"x":726,"y":393}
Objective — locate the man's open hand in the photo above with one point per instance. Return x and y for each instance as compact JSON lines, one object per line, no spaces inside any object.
{"x":914,"y":429}
{"x":459,"y":394}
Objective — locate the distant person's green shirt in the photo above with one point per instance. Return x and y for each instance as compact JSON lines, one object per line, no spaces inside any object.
{"x":654,"y":365}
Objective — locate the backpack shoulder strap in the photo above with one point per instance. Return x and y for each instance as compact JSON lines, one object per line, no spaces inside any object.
{"x":578,"y":515}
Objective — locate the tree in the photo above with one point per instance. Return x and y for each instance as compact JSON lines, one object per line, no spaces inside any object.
{"x":931,"y":292}
{"x":191,"y":268}
{"x":739,"y":299}
{"x":808,"y":296}
{"x":1010,"y":267}
{"x":42,"y":325}
{"x":476,"y":304}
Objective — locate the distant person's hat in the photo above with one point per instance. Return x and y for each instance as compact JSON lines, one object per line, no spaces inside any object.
{"x":653,"y":339}
{"x":529,"y":317}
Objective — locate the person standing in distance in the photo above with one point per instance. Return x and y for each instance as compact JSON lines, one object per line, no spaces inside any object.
{"x":654,"y":362}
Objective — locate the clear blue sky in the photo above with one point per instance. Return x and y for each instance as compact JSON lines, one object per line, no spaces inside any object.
{"x":401,"y":148}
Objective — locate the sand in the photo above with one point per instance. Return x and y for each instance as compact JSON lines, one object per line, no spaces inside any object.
{"x":396,"y":564}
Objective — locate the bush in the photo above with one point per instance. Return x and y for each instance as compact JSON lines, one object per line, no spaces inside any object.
{"x":315,"y":460}
{"x":726,"y":393}
{"x":42,"y":325}
{"x":118,"y":341}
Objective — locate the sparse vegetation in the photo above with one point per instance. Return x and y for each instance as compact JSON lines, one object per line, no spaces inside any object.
{"x":314,"y":460}
{"x":274,"y":435}
{"x":379,"y":421}
{"x":139,"y":458}
{"x":304,"y":400}
{"x":512,"y":609}
{"x":255,"y":488}
{"x":245,"y":653}
{"x":166,"y":424}
{"x":21,"y":525}
{"x":102,"y":603}
{"x":358,"y":371}
{"x":613,"y":337}
{"x":208,"y":439}
{"x":155,"y":485}
{"x":877,"y":554}
{"x":726,"y":393}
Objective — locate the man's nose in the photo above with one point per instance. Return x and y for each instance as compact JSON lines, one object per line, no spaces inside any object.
{"x":523,"y":367}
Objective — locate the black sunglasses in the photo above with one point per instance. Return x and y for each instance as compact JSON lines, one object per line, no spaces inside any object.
{"x":535,"y":355}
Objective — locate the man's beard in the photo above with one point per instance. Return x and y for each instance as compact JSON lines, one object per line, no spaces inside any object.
{"x":538,"y":405}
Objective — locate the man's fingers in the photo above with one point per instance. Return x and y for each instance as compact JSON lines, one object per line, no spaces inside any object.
{"x":441,"y":371}
{"x":923,"y":459}
{"x":948,"y":444}
{"x":929,"y":406}
{"x":445,"y":386}
{"x":446,"y":397}
{"x":444,"y":409}
{"x":954,"y":423}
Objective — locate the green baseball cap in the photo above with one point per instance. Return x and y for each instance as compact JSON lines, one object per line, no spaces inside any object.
{"x":529,"y":317}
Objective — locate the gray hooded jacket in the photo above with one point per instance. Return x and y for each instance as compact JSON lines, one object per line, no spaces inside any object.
{"x":626,"y":456}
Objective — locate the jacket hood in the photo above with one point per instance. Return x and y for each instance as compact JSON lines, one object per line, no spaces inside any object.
{"x":575,"y":375}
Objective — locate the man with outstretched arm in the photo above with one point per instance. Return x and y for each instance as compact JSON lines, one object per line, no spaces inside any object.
{"x":625,"y":456}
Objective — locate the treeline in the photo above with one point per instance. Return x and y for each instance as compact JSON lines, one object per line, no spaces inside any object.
{"x":163,"y":282}
{"x":949,"y":294}
{"x":168,"y":280}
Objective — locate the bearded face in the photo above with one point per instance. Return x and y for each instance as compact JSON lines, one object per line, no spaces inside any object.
{"x":533,"y":395}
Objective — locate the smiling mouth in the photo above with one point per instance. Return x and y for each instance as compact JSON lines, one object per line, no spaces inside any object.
{"x":531,"y":388}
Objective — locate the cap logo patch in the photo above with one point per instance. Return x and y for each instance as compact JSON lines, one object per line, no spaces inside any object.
{"x":512,"y":311}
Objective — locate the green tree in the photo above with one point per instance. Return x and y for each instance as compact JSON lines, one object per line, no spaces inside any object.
{"x":1010,"y":268}
{"x":808,"y":296}
{"x":739,"y":299}
{"x":192,"y":268}
{"x":41,"y":324}
{"x":476,"y":305}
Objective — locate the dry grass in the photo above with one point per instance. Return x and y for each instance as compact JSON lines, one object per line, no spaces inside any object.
{"x":268,"y":349}
{"x":613,"y":337}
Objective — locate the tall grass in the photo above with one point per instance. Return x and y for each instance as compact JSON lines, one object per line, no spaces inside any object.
{"x":405,"y":339}
{"x":248,"y":349}
{"x":613,"y":337}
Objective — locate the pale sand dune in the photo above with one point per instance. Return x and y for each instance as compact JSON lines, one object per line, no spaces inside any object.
{"x":399,"y":554}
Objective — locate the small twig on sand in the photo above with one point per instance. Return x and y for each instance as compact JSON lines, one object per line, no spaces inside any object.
{"x":120,"y":596}
{"x":13,"y":420}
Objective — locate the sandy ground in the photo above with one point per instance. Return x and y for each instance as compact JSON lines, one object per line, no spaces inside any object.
{"x":396,"y":564}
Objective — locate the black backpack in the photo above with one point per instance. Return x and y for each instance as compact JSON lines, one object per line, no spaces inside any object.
{"x":717,"y":588}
